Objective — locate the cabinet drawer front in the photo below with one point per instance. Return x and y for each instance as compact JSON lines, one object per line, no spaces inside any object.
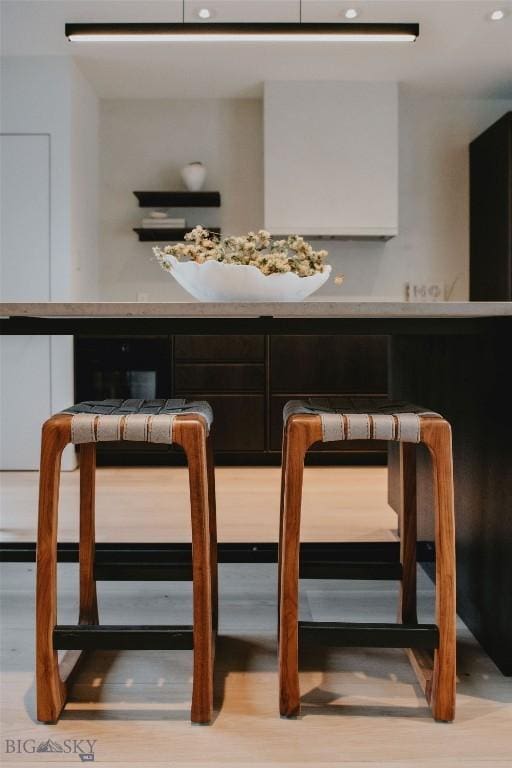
{"x":222,"y":349}
{"x":151,"y":352}
{"x":194,"y":377}
{"x":276,"y":434}
{"x":329,"y":364}
{"x":238,"y":421}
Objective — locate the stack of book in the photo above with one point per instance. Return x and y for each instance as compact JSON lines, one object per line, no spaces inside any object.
{"x":164,"y":222}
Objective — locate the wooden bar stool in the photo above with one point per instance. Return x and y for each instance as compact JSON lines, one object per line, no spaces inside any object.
{"x":313,"y":421}
{"x":155,"y":421}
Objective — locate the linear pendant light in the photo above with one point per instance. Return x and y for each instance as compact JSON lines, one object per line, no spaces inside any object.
{"x":243,"y":32}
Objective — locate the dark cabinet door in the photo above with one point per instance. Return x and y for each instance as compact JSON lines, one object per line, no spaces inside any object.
{"x":491,"y":213}
{"x":247,"y":379}
{"x":238,"y":422}
{"x":228,"y":372}
{"x":221,"y":349}
{"x":328,"y":365}
{"x":219,"y":377}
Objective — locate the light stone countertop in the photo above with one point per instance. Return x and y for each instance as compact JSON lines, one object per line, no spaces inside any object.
{"x":315,"y":308}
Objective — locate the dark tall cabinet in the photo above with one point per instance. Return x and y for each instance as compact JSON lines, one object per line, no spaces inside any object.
{"x":491,"y":213}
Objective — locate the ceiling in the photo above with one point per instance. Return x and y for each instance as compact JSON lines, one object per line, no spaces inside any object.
{"x":460,"y":51}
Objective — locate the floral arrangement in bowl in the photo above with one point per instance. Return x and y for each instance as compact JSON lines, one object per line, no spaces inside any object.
{"x":253,"y":267}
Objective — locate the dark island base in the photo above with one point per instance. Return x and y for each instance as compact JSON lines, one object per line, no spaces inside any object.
{"x":468,"y":380}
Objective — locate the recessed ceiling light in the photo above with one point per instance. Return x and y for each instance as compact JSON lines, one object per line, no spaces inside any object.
{"x":204,"y":13}
{"x":497,"y":15}
{"x":351,"y":13}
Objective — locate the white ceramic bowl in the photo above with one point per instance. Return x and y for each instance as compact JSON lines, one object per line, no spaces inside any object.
{"x":217,"y":281}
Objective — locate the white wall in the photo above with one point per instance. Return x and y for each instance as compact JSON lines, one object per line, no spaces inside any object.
{"x":143,"y":143}
{"x":433,"y":240}
{"x":46,"y":95}
{"x":24,"y":275}
{"x":49,"y":95}
{"x":36,"y":98}
{"x":84,"y":188}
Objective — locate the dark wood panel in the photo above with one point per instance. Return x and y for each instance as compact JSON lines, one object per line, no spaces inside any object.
{"x":220,"y":349}
{"x":277,"y":403}
{"x":329,"y":364}
{"x":194,"y":377}
{"x":471,"y":397}
{"x":17,"y":325}
{"x":145,"y":352}
{"x":239,"y":421}
{"x":491,"y":213}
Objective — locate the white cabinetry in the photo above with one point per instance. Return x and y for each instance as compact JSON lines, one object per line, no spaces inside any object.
{"x":331,"y":158}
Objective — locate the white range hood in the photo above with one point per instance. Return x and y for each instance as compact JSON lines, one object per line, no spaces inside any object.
{"x":331,"y":159}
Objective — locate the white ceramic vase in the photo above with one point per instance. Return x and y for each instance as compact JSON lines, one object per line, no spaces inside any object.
{"x":193,"y":175}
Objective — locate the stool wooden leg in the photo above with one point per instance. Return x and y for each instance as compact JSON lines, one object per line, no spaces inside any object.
{"x":407,"y":613}
{"x":193,"y":441}
{"x":437,"y":436}
{"x":88,"y":599}
{"x":50,"y":689}
{"x":213,"y":535}
{"x":281,"y":516}
{"x":293,"y":459}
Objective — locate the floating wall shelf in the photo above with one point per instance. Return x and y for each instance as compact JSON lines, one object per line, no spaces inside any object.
{"x":343,"y":236}
{"x":166,"y":235}
{"x":180,"y":199}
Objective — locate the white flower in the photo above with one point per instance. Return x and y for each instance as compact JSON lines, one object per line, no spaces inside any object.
{"x":292,"y":254}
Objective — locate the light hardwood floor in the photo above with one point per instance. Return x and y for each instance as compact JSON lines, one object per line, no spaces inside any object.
{"x":151,"y":504}
{"x":360,"y":708}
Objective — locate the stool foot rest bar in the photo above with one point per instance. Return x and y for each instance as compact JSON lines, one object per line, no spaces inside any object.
{"x":379,"y":635}
{"x":430,"y":647}
{"x":328,"y":569}
{"x":159,"y":421}
{"x":107,"y":637}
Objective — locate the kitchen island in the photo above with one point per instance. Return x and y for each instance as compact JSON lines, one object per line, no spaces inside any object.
{"x":453,"y":357}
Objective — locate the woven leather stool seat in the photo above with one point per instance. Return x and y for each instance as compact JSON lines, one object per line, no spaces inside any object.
{"x":149,"y":421}
{"x":362,"y":418}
